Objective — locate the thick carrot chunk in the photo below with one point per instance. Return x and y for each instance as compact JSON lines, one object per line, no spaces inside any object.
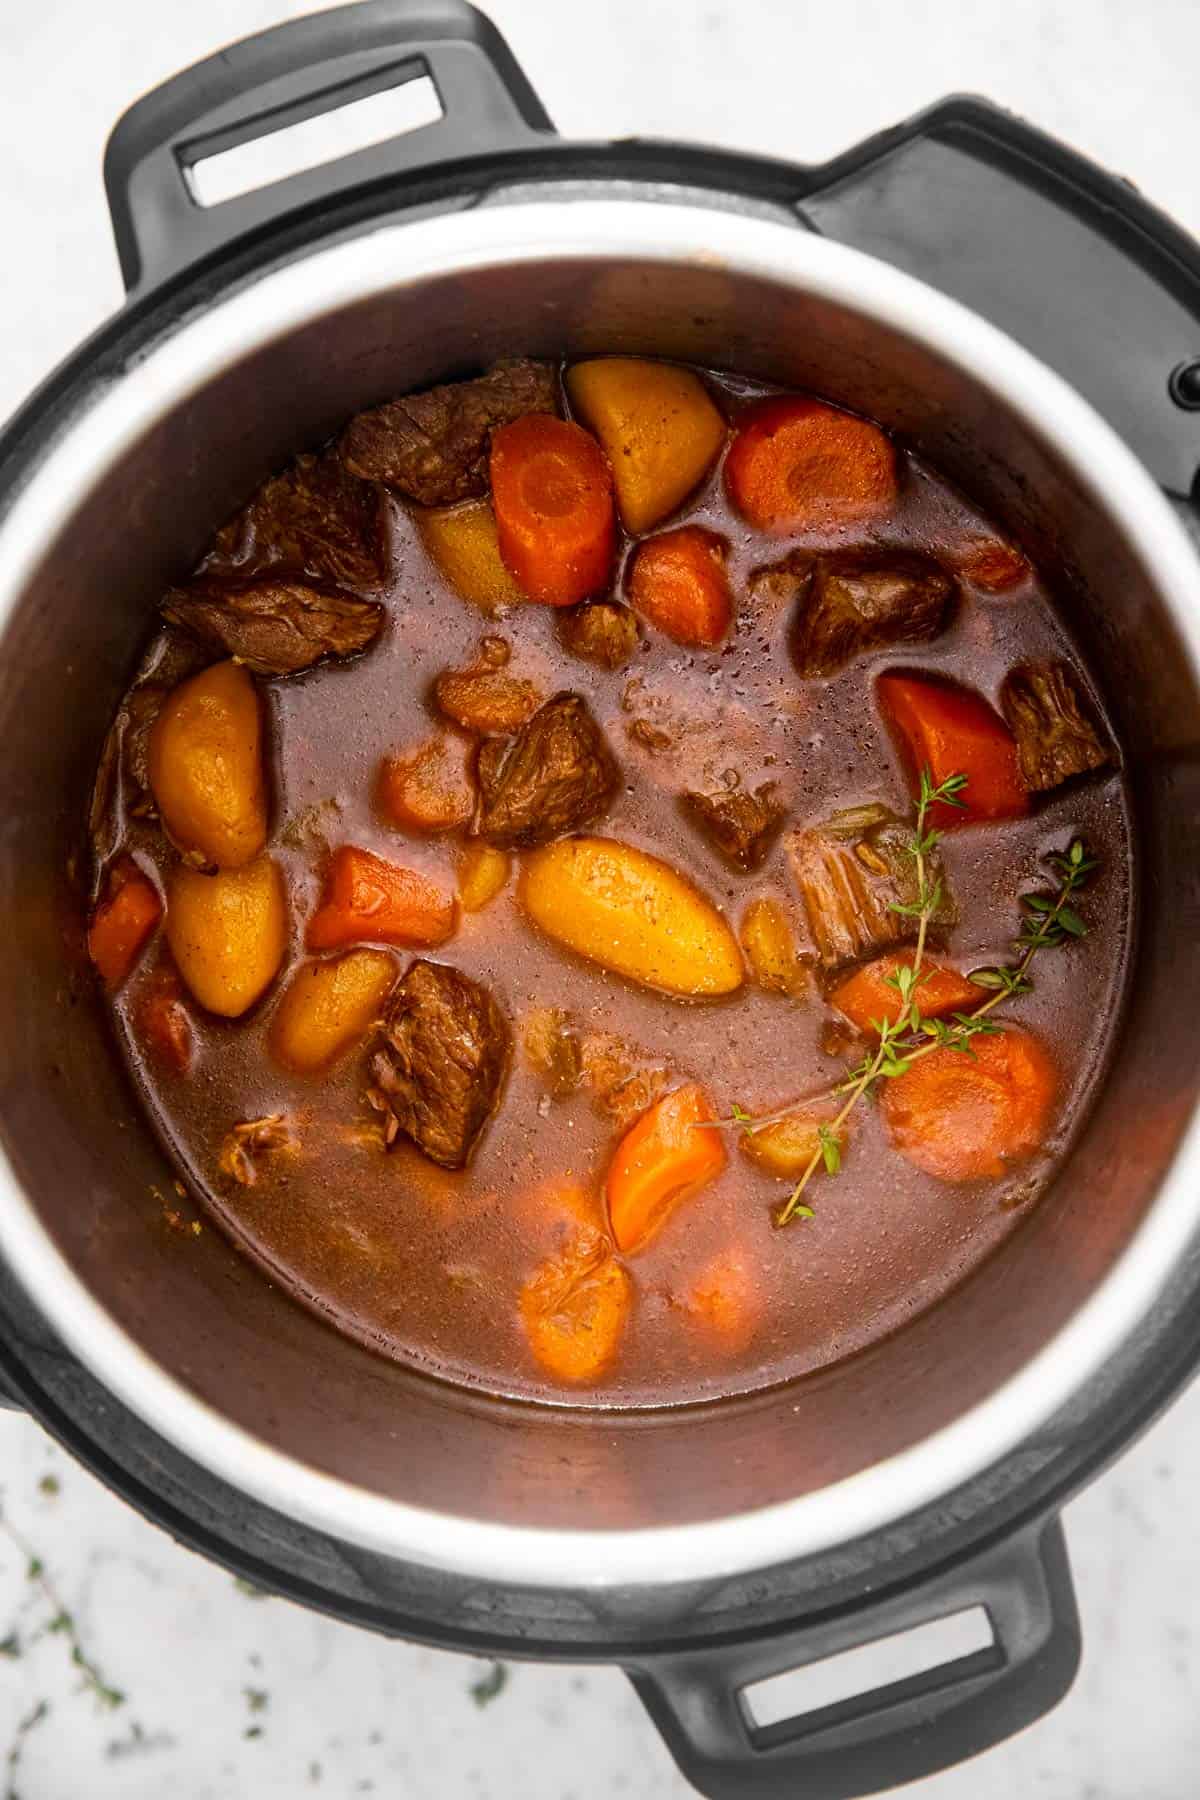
{"x":795,"y":464}
{"x":725,"y":1301}
{"x":678,"y":582}
{"x":553,"y":499}
{"x":665,"y":1157}
{"x":961,"y":1117}
{"x":574,"y":1308}
{"x":123,"y":921}
{"x":369,"y":901}
{"x":867,"y":995}
{"x":428,"y":788}
{"x":951,"y":730}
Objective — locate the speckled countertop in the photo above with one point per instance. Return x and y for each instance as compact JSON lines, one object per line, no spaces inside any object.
{"x":218,"y":1693}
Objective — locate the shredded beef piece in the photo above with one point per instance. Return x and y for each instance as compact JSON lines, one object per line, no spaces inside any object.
{"x":1050,"y":720}
{"x":316,"y":519}
{"x":272,"y":625}
{"x":433,"y":447}
{"x":556,"y":775}
{"x":600,"y":631}
{"x":740,"y":824}
{"x":852,"y":872}
{"x":442,"y":1063}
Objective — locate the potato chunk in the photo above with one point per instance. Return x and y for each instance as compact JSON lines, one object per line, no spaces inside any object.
{"x":482,"y":873}
{"x":770,"y":947}
{"x":329,"y":1007}
{"x":632,"y":914}
{"x":661,"y":431}
{"x":461,"y":540}
{"x":205,"y":764}
{"x":786,"y":1147}
{"x":228,"y":933}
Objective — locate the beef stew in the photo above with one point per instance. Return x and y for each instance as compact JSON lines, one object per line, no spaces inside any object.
{"x":540,"y":810}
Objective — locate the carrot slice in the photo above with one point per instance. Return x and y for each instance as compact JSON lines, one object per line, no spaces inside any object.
{"x":574,"y":1307}
{"x":867,"y":995}
{"x":678,"y":582}
{"x":951,"y":730}
{"x":122,"y":923}
{"x":724,"y":1300}
{"x":961,"y":1117}
{"x":795,"y":463}
{"x":369,"y":901}
{"x":427,"y":788}
{"x":552,"y":493}
{"x":662,"y":1159}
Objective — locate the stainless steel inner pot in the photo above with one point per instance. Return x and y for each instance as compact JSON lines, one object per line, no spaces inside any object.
{"x":195,"y":1340}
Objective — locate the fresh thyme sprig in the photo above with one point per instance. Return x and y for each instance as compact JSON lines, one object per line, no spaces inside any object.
{"x":1050,"y":920}
{"x":906,"y":979}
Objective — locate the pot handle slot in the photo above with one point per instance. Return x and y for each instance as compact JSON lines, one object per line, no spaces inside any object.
{"x":280,"y":81}
{"x":1066,"y":258}
{"x":901,"y":1731}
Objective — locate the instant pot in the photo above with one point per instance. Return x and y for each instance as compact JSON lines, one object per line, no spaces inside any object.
{"x":1023,"y":320}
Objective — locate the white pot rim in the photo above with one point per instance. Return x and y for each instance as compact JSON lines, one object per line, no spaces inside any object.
{"x":649,"y":230}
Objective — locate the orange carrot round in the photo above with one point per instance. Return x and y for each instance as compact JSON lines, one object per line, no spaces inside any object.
{"x":662,"y":1159}
{"x":552,"y":494}
{"x":574,"y":1307}
{"x":795,"y":464}
{"x":123,"y":922}
{"x":962,"y":1117}
{"x":867,"y":995}
{"x":369,"y":901}
{"x":428,"y":788}
{"x":951,"y":730}
{"x":678,"y":582}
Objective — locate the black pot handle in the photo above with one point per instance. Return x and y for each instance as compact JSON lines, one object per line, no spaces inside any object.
{"x":1044,"y":243}
{"x":901,"y":1732}
{"x":295,"y":72}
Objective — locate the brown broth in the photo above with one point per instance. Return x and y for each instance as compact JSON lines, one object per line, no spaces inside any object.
{"x":427,"y":1266}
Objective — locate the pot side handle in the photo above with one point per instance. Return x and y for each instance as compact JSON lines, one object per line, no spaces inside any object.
{"x":1068,"y":259}
{"x":898,"y":1733}
{"x":283,"y":77}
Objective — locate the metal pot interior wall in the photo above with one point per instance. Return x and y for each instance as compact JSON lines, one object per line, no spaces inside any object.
{"x":96,"y":1174}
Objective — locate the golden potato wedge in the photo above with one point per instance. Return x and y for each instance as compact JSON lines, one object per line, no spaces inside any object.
{"x":632,"y":914}
{"x":661,"y":431}
{"x":482,"y":873}
{"x":205,"y":764}
{"x":461,"y":540}
{"x":329,"y":1006}
{"x":228,"y":933}
{"x":770,"y":947}
{"x":786,"y":1147}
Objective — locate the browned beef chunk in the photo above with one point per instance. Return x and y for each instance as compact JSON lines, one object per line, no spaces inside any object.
{"x":316,"y":519}
{"x":438,"y":1075}
{"x":556,"y":775}
{"x":1050,"y":720}
{"x":273,"y":625}
{"x":433,"y":447}
{"x":740,"y":824}
{"x":601,"y":631}
{"x":848,"y":606}
{"x":852,"y":873}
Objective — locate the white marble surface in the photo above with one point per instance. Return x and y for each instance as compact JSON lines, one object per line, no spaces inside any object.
{"x":227,"y":1695}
